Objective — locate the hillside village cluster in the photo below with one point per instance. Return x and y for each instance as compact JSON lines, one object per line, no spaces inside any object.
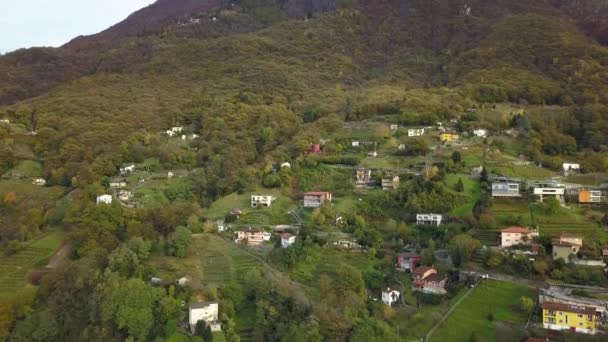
{"x":560,"y":311}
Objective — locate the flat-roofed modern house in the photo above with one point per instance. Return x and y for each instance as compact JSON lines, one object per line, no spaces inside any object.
{"x":429,"y":219}
{"x":504,"y":187}
{"x":550,"y":189}
{"x":316,"y":199}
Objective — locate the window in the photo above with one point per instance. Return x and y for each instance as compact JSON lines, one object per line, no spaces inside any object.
{"x":551,"y":320}
{"x":551,"y":312}
{"x":580,"y":324}
{"x":579,"y":316}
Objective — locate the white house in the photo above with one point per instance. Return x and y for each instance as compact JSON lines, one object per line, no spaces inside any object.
{"x":390,"y":297}
{"x":39,"y":181}
{"x":264,"y":201}
{"x":287,"y":240}
{"x":207,"y":312}
{"x":118,"y":184}
{"x":401,"y":147}
{"x":394,"y":127}
{"x":124,"y":195}
{"x":266,"y":236}
{"x":6,"y":121}
{"x":516,"y":235}
{"x":415,"y":132}
{"x":170,"y":133}
{"x":286,"y":164}
{"x":373,"y":154}
{"x":556,"y":190}
{"x":177,"y":129}
{"x":220,"y":225}
{"x":355,"y":143}
{"x":504,"y":187}
{"x":570,"y":168}
{"x":127,"y":169}
{"x":170,"y":174}
{"x":104,"y":199}
{"x":481,"y":133}
{"x":390,"y":183}
{"x":429,"y":219}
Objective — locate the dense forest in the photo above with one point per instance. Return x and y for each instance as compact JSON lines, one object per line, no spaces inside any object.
{"x":258,"y":81}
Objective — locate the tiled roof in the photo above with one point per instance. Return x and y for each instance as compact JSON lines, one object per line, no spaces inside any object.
{"x":520,"y":230}
{"x":586,"y":310}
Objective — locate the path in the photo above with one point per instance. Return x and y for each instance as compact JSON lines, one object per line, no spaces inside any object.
{"x":59,"y":257}
{"x":447,"y":314}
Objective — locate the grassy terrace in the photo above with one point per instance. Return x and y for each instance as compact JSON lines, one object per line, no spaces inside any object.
{"x":471,"y":189}
{"x":472,"y":315}
{"x":15,"y":268}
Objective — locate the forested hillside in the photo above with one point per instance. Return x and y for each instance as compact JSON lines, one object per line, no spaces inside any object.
{"x":253,"y":84}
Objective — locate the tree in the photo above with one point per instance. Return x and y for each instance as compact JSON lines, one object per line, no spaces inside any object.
{"x":203,"y":330}
{"x":551,"y":205}
{"x":459,"y":185}
{"x":456,"y":157}
{"x":462,"y":247}
{"x":526,"y":304}
{"x":178,"y":242}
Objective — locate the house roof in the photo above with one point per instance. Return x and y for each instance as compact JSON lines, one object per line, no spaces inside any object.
{"x":586,"y":310}
{"x":316,"y":193}
{"x":520,"y":230}
{"x":570,"y":235}
{"x":251,"y":230}
{"x":201,"y":305}
{"x":389,"y":290}
{"x":436,"y":277}
{"x":286,"y":236}
{"x":422,"y":270}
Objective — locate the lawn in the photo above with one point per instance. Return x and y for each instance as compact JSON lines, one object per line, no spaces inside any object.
{"x":15,"y":268}
{"x":472,"y":314}
{"x":210,"y":262}
{"x":472,"y":190}
{"x":224,"y":205}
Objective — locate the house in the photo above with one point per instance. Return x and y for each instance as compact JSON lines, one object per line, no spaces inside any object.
{"x":177,"y":129}
{"x":170,"y":133}
{"x":127,"y":169}
{"x":6,"y":121}
{"x":170,"y":175}
{"x":118,"y":184}
{"x":316,"y":199}
{"x":286,"y":164}
{"x":262,"y":201}
{"x":390,"y":183}
{"x":401,"y":147}
{"x":428,"y":280}
{"x":504,"y":187}
{"x":220,"y":225}
{"x":251,"y":236}
{"x":551,"y":189}
{"x":476,"y":172}
{"x":394,"y":127}
{"x":183,"y":281}
{"x":124,"y":195}
{"x":516,"y":235}
{"x":480,"y":133}
{"x":587,"y":196}
{"x":566,"y":245}
{"x":104,"y":199}
{"x":373,"y":154}
{"x":570,"y":168}
{"x":314,"y":148}
{"x":429,"y":219}
{"x":355,"y":143}
{"x":266,"y":236}
{"x":575,"y":318}
{"x":346,"y":244}
{"x":287,"y":240}
{"x":605,"y":251}
{"x":408,"y":261}
{"x":363,"y":179}
{"x":390,"y":297}
{"x":39,"y":181}
{"x":415,"y":132}
{"x":449,"y":136}
{"x":207,"y":312}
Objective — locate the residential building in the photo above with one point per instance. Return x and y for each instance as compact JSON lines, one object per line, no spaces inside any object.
{"x":415,"y":132}
{"x":566,"y":245}
{"x":476,"y":172}
{"x":314,"y":148}
{"x":390,"y":183}
{"x":449,"y":136}
{"x":394,"y":127}
{"x":124,"y":195}
{"x":207,"y":312}
{"x":504,"y":187}
{"x":401,"y":147}
{"x":252,"y":236}
{"x":481,"y":133}
{"x":220,"y":225}
{"x":570,"y":168}
{"x":429,"y":219}
{"x":39,"y":181}
{"x":316,"y":199}
{"x":373,"y":154}
{"x":266,"y":236}
{"x":363,"y":179}
{"x":575,"y":318}
{"x":408,"y":261}
{"x":170,"y":133}
{"x":346,"y":244}
{"x":170,"y":175}
{"x":177,"y":129}
{"x":127,"y":169}
{"x":587,"y":196}
{"x":262,"y":201}
{"x":118,"y":184}
{"x":286,"y":164}
{"x":6,"y":121}
{"x":355,"y":143}
{"x":390,"y":297}
{"x":287,"y":240}
{"x":552,"y":189}
{"x":104,"y":199}
{"x":428,"y":280}
{"x":516,"y":235}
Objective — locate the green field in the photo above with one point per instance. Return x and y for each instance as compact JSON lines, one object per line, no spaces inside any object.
{"x":224,"y":205}
{"x":471,"y":189}
{"x":15,"y":268}
{"x":211,"y":262}
{"x":471,"y":316}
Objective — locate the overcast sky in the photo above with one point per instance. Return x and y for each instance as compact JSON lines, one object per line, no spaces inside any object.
{"x":27,"y":23}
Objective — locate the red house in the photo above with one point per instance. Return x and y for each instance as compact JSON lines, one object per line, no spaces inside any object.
{"x":314,"y":148}
{"x":428,"y":280}
{"x":408,"y":261}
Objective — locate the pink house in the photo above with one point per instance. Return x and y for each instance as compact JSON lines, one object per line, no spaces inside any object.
{"x":428,"y":280}
{"x":516,"y":235}
{"x":408,"y":261}
{"x":253,"y":236}
{"x":314,"y":148}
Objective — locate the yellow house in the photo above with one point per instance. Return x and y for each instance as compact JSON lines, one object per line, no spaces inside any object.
{"x":448,"y":136}
{"x":576,"y":318}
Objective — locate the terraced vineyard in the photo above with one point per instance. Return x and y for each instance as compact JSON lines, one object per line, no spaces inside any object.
{"x":15,"y":268}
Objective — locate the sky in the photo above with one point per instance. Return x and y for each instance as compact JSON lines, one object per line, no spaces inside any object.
{"x":29,"y":23}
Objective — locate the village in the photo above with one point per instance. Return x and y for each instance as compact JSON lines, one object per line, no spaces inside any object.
{"x":371,"y":157}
